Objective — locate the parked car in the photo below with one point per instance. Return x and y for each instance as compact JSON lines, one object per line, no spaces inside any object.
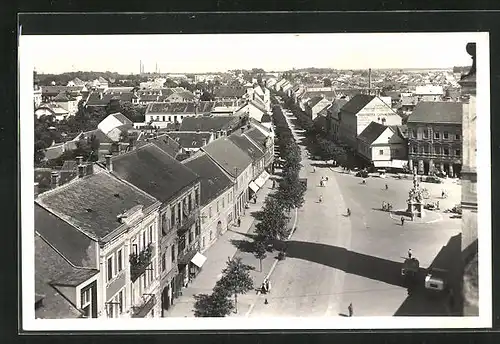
{"x":432,"y":179}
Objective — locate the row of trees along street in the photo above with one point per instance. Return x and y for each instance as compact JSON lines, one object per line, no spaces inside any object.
{"x":273,"y":225}
{"x":319,"y":139}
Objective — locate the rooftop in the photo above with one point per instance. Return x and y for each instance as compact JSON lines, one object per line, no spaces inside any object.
{"x":93,"y":203}
{"x":246,"y":145}
{"x":180,"y":108}
{"x":372,"y":132}
{"x":154,"y":171}
{"x":190,"y":139}
{"x":164,"y":142}
{"x":358,"y":102}
{"x":207,"y":123}
{"x":437,"y":112}
{"x":213,"y":180}
{"x":228,"y":155}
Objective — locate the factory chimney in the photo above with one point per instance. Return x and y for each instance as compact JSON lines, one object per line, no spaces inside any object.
{"x":369,"y":81}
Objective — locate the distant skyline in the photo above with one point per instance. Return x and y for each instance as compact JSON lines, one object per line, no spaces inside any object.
{"x":188,"y":53}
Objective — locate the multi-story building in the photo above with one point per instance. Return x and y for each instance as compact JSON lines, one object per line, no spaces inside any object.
{"x":264,"y":138}
{"x":435,"y":138}
{"x":161,"y":114}
{"x":359,"y":112}
{"x":237,"y":164}
{"x":469,"y":189}
{"x":216,"y":202}
{"x":107,"y":230}
{"x":151,"y":169}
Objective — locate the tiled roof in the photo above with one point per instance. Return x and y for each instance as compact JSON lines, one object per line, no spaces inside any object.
{"x":213,"y":180}
{"x":257,"y":136}
{"x":315,"y":100}
{"x":324,"y":111}
{"x":190,"y":139}
{"x":401,"y":130}
{"x":63,"y":97}
{"x":71,"y":243}
{"x":246,"y":145}
{"x":164,"y":142}
{"x":229,"y":92}
{"x":207,"y":123}
{"x":337,"y":106}
{"x":54,"y":152}
{"x":358,"y":102}
{"x":93,"y":203}
{"x":49,"y":266}
{"x":228,"y":155}
{"x":437,"y":112}
{"x":266,"y":118}
{"x":94,"y":99}
{"x":180,"y":108}
{"x":154,"y":171}
{"x":55,"y":90}
{"x":372,"y":132}
{"x":258,"y":105}
{"x":103,"y":138}
{"x":149,"y":97}
{"x":407,"y":101}
{"x":102,"y":80}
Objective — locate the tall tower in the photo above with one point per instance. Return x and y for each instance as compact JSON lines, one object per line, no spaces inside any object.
{"x":469,"y":188}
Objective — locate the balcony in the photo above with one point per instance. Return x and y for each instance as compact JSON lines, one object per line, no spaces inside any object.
{"x":149,"y":301}
{"x":140,"y":262}
{"x":188,"y":253}
{"x":188,"y":219}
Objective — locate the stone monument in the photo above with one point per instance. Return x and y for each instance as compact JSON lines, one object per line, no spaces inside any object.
{"x":415,"y":204}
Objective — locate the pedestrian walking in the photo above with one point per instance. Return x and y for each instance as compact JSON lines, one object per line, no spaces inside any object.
{"x":321,"y":183}
{"x":350,"y":310}
{"x":410,"y":254}
{"x":326,"y":178}
{"x":386,"y":187}
{"x":254,"y":199}
{"x":348,"y":212}
{"x":314,"y":169}
{"x":268,"y":285}
{"x":263,"y":288}
{"x":437,"y":205}
{"x":239,"y":221}
{"x":320,"y":198}
{"x":274,"y":184}
{"x":402,"y":221}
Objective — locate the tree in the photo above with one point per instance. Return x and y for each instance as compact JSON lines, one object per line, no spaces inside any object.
{"x":260,"y":252}
{"x":235,"y":280}
{"x":207,"y":96}
{"x":216,"y":304}
{"x":327,"y":82}
{"x":274,"y":222}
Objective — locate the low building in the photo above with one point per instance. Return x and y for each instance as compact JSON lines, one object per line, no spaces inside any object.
{"x":218,"y":125}
{"x":216,"y":208}
{"x":435,"y":137}
{"x":359,"y":112}
{"x":383,"y":146}
{"x":429,"y":93}
{"x":264,"y":139}
{"x":191,"y":142}
{"x":54,"y":110}
{"x":229,"y":92}
{"x":114,"y":125}
{"x":161,"y":114}
{"x":237,"y":164}
{"x":97,"y":222}
{"x":315,"y":105}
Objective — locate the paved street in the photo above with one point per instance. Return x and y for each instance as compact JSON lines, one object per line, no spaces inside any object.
{"x":334,"y":260}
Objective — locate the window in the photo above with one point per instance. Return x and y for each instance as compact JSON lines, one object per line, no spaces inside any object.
{"x":172,"y":253}
{"x":179,"y":212}
{"x":218,"y":211}
{"x":457,"y":152}
{"x":182,"y":117}
{"x":445,"y":135}
{"x":182,"y":243}
{"x":144,"y":242}
{"x":85,"y":297}
{"x":170,"y":118}
{"x":210,"y":235}
{"x":446,"y":151}
{"x":190,"y":202}
{"x":163,"y":118}
{"x":110,"y":268}
{"x":157,"y":118}
{"x":426,"y":149}
{"x":152,"y":271}
{"x":120,"y":301}
{"x":413,"y":133}
{"x":150,"y":234}
{"x":223,"y":203}
{"x":203,"y":218}
{"x":163,"y":262}
{"x":457,"y":136}
{"x":164,"y":223}
{"x":203,"y":242}
{"x":228,"y":200}
{"x":437,"y":149}
{"x":197,"y":196}
{"x":436,"y":134}
{"x":381,"y":152}
{"x":119,"y":260}
{"x":191,"y":239}
{"x":426,"y":133}
{"x":197,"y":229}
{"x":210,"y":212}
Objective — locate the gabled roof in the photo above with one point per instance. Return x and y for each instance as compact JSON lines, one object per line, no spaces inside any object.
{"x":180,"y":108}
{"x":324,"y":111}
{"x":151,"y":169}
{"x":95,"y":100}
{"x":102,"y":80}
{"x":358,"y":102}
{"x":261,"y":107}
{"x":208,"y":123}
{"x":164,"y":142}
{"x":228,"y":155}
{"x":55,"y":90}
{"x":93,"y":203}
{"x":69,"y":241}
{"x":190,"y":139}
{"x":49,"y":265}
{"x":401,"y":130}
{"x":257,"y":136}
{"x":63,"y":97}
{"x":437,"y":112}
{"x":183,"y":94}
{"x":315,"y":100}
{"x":99,"y":134}
{"x":229,"y":91}
{"x":246,"y":145}
{"x":213,"y":180}
{"x":372,"y":132}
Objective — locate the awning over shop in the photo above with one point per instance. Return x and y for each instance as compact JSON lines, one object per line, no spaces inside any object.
{"x":198,"y":259}
{"x":253,"y":187}
{"x":262,"y":179}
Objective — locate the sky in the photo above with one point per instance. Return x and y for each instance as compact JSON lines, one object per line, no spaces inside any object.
{"x":189,"y":53}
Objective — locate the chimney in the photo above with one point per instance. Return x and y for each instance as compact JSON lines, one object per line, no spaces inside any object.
{"x":109,"y":163}
{"x":35,"y":189}
{"x":79,"y":160}
{"x":81,"y":171}
{"x":369,"y":81}
{"x":242,"y":129}
{"x":54,"y":179}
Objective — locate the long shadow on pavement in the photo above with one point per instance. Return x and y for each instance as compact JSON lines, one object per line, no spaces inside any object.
{"x":387,"y":271}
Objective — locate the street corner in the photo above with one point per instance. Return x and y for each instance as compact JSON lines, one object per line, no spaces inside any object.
{"x":428,"y":217}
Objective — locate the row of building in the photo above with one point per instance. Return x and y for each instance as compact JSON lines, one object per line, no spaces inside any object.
{"x":124,"y":236}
